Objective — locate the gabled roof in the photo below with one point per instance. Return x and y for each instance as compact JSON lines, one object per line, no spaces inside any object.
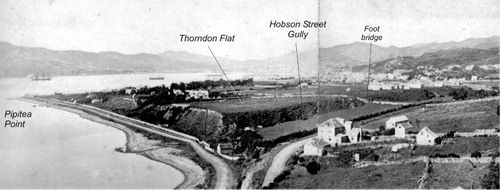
{"x":317,"y":143}
{"x":428,"y":131}
{"x":331,"y":123}
{"x":398,"y":118}
{"x":405,"y":125}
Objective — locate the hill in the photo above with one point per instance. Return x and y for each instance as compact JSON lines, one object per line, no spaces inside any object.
{"x":19,"y":61}
{"x":353,"y":54}
{"x":454,"y":60}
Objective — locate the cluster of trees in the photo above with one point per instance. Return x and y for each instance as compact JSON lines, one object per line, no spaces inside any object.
{"x":409,"y":95}
{"x":208,"y":84}
{"x":466,"y":93}
{"x":412,"y":95}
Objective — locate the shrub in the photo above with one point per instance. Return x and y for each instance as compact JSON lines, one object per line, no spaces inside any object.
{"x":476,"y":154}
{"x":389,"y":132}
{"x":450,"y":134}
{"x":438,"y":140}
{"x":313,"y":167}
{"x":345,"y":157}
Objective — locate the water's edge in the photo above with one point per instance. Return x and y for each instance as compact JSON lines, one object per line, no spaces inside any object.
{"x":189,"y":177}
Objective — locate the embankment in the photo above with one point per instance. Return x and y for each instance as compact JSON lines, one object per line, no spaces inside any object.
{"x":210,"y":125}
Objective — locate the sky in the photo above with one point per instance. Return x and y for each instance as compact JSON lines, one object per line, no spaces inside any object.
{"x":408,"y":22}
{"x":154,"y":26}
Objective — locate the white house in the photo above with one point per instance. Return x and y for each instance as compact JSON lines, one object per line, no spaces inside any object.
{"x":129,"y":90}
{"x":393,"y":121}
{"x":473,"y":78}
{"x":355,"y":135}
{"x":426,"y":137}
{"x":400,"y":131}
{"x":337,"y":131}
{"x":314,"y":147}
{"x":329,"y":130}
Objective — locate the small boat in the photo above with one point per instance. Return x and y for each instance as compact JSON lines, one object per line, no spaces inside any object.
{"x":156,"y":78}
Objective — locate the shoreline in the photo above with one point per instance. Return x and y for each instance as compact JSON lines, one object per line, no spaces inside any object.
{"x":193,"y":175}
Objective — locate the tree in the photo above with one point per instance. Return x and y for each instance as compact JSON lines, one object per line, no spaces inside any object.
{"x":476,"y":154}
{"x":313,"y":167}
{"x":182,"y":87}
{"x":389,"y":132}
{"x":438,"y":140}
{"x":381,"y":128}
{"x":174,"y":86}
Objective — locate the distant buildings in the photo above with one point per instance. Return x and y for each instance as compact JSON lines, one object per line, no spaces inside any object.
{"x":197,"y":94}
{"x":426,"y":137}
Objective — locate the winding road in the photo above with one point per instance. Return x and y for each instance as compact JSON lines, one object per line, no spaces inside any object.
{"x":224,"y":174}
{"x":280,"y":159}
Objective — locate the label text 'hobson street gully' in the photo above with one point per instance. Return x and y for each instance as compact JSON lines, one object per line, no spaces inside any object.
{"x":297,"y":34}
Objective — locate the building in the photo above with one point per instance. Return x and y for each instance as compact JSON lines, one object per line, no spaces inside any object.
{"x":473,"y":78}
{"x":129,"y":90}
{"x":225,"y":148}
{"x":393,"y":121}
{"x":400,"y":131}
{"x":355,"y":135}
{"x":426,"y":137}
{"x":329,"y":130}
{"x":315,"y":147}
{"x":337,"y":131}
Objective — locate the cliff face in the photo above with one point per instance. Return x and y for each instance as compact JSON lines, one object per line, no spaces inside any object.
{"x":202,"y":123}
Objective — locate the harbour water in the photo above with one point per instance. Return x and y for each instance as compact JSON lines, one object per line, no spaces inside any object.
{"x":58,"y":149}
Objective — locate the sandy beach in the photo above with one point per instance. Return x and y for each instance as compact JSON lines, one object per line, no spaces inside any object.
{"x":138,"y":144}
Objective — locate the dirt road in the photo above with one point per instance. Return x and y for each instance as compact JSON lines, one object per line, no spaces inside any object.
{"x":280,"y":159}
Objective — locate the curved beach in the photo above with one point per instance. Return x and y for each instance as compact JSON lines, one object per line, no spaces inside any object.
{"x":193,"y":174}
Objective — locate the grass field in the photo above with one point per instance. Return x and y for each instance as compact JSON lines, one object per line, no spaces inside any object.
{"x":251,"y":104}
{"x":462,"y":146}
{"x":309,"y":124}
{"x":461,"y":117}
{"x":449,"y":176}
{"x":402,"y":176}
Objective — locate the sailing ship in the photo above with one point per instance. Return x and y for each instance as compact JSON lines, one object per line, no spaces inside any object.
{"x":42,"y":77}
